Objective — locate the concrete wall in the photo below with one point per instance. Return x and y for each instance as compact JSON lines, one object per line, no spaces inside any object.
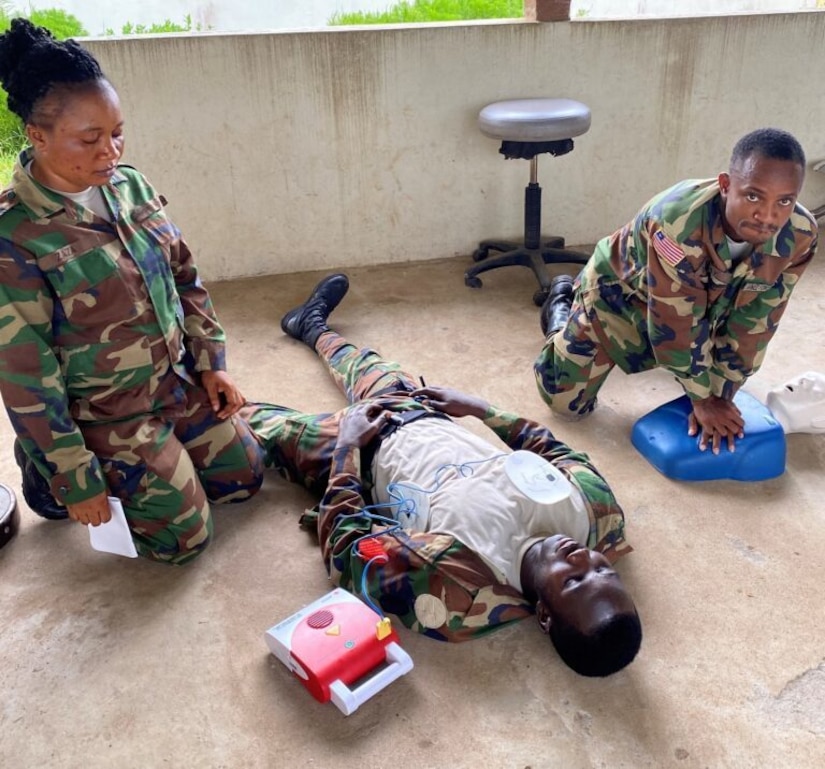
{"x":299,"y":151}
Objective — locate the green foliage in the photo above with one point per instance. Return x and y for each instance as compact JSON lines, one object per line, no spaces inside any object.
{"x":61,"y":24}
{"x":12,"y":136}
{"x":6,"y":167}
{"x":158,"y":29}
{"x":434,"y":10}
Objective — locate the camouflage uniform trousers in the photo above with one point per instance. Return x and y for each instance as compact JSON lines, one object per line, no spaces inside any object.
{"x":168,"y":470}
{"x":573,"y":364}
{"x":299,"y":445}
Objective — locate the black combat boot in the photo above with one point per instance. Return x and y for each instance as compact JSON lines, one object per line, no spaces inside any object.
{"x":556,"y":308}
{"x":308,"y":321}
{"x":36,"y":489}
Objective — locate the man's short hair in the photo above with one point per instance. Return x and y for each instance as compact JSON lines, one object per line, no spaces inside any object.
{"x":608,"y":649}
{"x":770,"y":143}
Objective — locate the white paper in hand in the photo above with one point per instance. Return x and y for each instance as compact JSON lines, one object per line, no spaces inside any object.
{"x":114,"y":536}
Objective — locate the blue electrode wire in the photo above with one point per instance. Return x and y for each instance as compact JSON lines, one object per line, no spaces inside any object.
{"x":366,"y":512}
{"x":365,"y":594}
{"x":465,"y":469}
{"x":403,"y":504}
{"x":392,"y":525}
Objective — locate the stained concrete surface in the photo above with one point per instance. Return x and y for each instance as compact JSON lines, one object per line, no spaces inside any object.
{"x":111,"y":662}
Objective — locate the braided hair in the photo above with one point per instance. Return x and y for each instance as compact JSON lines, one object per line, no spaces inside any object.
{"x":33,"y":65}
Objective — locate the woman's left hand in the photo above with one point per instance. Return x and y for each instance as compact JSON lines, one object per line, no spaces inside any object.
{"x":454,"y":403}
{"x":224,"y":395}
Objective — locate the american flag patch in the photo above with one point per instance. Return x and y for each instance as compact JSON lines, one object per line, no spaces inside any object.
{"x":667,"y":249}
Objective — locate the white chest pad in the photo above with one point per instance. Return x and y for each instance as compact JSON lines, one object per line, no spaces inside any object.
{"x":536,"y":478}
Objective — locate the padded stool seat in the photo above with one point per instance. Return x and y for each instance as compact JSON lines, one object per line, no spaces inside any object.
{"x":526,"y":129}
{"x":534,"y":120}
{"x":661,"y":438}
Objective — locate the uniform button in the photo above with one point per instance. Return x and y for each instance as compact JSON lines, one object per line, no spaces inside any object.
{"x":430,"y":610}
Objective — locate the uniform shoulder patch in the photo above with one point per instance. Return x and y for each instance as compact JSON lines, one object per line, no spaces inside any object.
{"x":668,"y":250}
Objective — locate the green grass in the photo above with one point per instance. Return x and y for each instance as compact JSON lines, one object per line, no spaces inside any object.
{"x":434,"y":10}
{"x":165,"y":27}
{"x":6,"y":165}
{"x":12,"y":140}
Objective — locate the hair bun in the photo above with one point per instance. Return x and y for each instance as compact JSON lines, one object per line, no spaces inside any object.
{"x":17,"y":43}
{"x":33,"y":61}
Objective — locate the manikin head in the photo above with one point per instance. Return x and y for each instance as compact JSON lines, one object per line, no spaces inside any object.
{"x":582,"y":604}
{"x":799,"y":404}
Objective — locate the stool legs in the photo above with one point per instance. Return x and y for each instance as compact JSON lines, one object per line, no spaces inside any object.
{"x":532,"y":253}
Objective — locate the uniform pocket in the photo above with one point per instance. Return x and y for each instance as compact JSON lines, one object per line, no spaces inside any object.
{"x":755,"y":292}
{"x":151,"y":219}
{"x":76,"y":266}
{"x":89,"y":287}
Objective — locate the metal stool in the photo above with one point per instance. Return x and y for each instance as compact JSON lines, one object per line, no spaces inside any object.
{"x":528,"y":128}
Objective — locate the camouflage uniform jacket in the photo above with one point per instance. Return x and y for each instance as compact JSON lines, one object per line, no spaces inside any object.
{"x":437,"y":566}
{"x":99,"y":320}
{"x":664,"y":290}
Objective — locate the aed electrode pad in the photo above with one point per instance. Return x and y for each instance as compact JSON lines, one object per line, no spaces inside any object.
{"x":536,"y":478}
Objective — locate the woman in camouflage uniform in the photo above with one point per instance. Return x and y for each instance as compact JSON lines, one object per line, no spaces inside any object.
{"x":112,"y":362}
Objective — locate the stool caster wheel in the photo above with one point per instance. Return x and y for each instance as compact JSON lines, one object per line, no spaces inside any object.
{"x":540,"y":297}
{"x":472,"y":281}
{"x":480,"y":253}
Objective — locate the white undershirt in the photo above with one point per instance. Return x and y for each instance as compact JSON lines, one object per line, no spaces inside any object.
{"x":91,"y":198}
{"x":483,"y":508}
{"x":738,"y":251}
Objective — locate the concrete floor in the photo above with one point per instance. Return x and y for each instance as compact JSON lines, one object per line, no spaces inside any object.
{"x":110,"y":662}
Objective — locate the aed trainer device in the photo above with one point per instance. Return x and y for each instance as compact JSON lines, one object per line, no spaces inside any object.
{"x":337,"y":642}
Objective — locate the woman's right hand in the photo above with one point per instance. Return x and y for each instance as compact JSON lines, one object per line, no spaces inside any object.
{"x":361,"y":424}
{"x":92,"y":512}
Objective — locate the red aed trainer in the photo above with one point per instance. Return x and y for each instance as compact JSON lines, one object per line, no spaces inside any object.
{"x":336,"y":642}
